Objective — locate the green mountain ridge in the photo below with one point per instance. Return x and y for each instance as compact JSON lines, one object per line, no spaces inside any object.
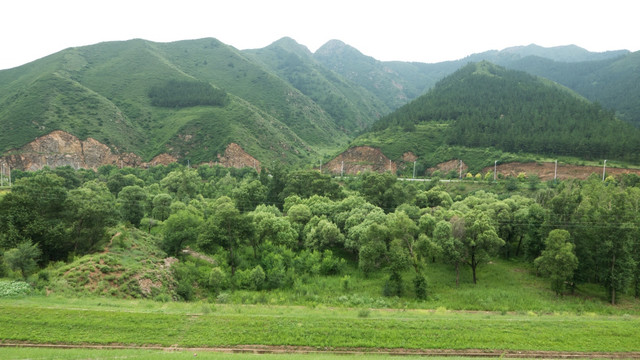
{"x":102,"y":91}
{"x":485,"y":106}
{"x":283,"y":102}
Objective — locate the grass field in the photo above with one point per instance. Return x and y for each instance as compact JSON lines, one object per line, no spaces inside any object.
{"x":141,"y":354}
{"x":37,"y":320}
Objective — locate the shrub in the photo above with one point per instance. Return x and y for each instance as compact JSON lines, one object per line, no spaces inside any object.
{"x":14,"y":288}
{"x":420,"y":286}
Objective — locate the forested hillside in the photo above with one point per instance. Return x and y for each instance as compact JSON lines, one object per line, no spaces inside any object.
{"x":212,"y":231}
{"x":484,"y":105}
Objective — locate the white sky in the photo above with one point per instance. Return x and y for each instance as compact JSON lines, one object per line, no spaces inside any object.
{"x":408,"y":30}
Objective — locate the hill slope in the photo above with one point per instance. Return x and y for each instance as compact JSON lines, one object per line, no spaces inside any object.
{"x":103,"y":91}
{"x":483,"y":105}
{"x":352,"y":107}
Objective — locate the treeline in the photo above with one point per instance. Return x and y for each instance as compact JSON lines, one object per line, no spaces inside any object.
{"x":488,"y":106}
{"x":178,"y":94}
{"x":270,"y":230}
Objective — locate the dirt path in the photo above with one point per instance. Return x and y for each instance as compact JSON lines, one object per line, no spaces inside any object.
{"x":266,"y":349}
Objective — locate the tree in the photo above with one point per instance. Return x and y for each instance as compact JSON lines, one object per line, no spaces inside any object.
{"x":24,"y":257}
{"x":323,"y":234}
{"x":479,"y":240}
{"x":184,"y":183}
{"x":131,"y":200}
{"x":276,"y":230}
{"x":33,"y":211}
{"x":249,"y":194}
{"x":558,"y":260}
{"x":90,"y":211}
{"x":451,"y":246}
{"x":227,"y":228}
{"x":161,"y":206}
{"x":180,"y":229}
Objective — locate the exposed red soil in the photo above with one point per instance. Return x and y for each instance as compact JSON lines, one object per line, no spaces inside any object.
{"x":545,"y":171}
{"x":360,"y":159}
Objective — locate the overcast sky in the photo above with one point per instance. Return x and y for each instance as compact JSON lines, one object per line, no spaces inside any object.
{"x":408,"y":30}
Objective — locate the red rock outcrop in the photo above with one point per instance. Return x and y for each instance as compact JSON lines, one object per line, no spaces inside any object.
{"x":448,"y":166}
{"x":235,"y":156}
{"x":60,"y":148}
{"x":360,"y":159}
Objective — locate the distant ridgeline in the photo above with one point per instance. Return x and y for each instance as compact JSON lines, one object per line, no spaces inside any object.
{"x":485,"y":105}
{"x":178,"y":94}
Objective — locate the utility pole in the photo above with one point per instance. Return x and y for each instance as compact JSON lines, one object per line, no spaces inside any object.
{"x":495,"y":170}
{"x":342,"y":169}
{"x":414,"y":169}
{"x":460,"y":169}
{"x":555,"y":172}
{"x":2,"y":176}
{"x":604,"y":169}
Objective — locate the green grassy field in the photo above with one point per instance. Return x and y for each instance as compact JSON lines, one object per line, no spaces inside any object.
{"x":87,"y":321}
{"x":141,"y":354}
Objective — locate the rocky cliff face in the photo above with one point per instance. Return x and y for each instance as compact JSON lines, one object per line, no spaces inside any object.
{"x":360,"y":159}
{"x":59,"y":148}
{"x":235,"y":156}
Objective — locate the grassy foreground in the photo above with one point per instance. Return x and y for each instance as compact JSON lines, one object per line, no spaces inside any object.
{"x":68,"y":354}
{"x":38,"y":320}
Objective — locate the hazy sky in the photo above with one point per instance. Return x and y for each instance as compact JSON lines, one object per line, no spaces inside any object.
{"x":408,"y":30}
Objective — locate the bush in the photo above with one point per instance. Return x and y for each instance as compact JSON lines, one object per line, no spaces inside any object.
{"x":393,"y":286}
{"x":420,"y":286}
{"x":14,"y":288}
{"x":218,"y":280}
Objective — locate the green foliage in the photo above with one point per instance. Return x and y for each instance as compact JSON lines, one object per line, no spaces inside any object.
{"x":563,"y":124}
{"x":558,"y":260}
{"x":179,"y":230}
{"x":179,"y":94}
{"x":131,"y":200}
{"x":23,"y":258}
{"x":14,"y":288}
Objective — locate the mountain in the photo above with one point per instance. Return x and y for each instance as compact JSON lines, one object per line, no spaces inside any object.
{"x":352,"y":107}
{"x":483,"y":105}
{"x":104,"y":92}
{"x":567,"y":54}
{"x":614,"y":82}
{"x":609,"y":77}
{"x":393,"y":83}
{"x":140,"y":102}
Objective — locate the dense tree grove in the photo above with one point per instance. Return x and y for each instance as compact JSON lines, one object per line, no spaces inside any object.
{"x":178,"y":94}
{"x":267,"y":230}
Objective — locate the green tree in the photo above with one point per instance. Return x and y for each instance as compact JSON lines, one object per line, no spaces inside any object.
{"x":131,"y":200}
{"x":179,"y":230}
{"x":480,"y":240}
{"x":33,"y":210}
{"x":161,"y":206}
{"x":249,"y":194}
{"x":452,"y":248}
{"x":24,"y":258}
{"x":558,"y":260}
{"x":227,"y":228}
{"x":90,"y":211}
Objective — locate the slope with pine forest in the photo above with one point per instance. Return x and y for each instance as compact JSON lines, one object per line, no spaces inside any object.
{"x":487,"y":108}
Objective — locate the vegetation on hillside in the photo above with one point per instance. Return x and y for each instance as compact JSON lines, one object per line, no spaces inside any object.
{"x":285,"y":231}
{"x":485,"y":105}
{"x":178,"y":94}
